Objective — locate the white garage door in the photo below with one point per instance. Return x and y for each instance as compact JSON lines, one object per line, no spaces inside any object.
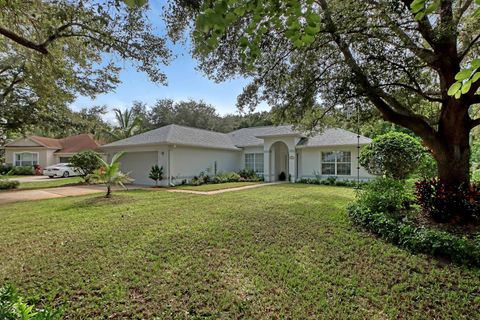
{"x":139,"y":165}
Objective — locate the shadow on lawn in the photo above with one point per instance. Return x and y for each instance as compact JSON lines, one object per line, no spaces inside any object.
{"x":100,"y":200}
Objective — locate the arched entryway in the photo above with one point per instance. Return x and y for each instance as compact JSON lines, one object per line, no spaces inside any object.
{"x":279,"y":161}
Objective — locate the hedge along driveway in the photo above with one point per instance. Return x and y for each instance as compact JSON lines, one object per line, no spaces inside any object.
{"x":280,"y":251}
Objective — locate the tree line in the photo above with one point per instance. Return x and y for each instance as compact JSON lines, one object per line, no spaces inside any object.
{"x":138,"y":118}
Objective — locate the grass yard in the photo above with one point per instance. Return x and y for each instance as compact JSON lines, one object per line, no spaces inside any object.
{"x":50,"y":183}
{"x":282,"y":251}
{"x":217,"y":186}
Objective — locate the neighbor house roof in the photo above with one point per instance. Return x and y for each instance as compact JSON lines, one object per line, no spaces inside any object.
{"x":175,"y":134}
{"x":68,"y":145}
{"x":47,"y":142}
{"x":78,"y":143}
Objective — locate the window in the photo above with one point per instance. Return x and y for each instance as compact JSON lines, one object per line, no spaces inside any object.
{"x":26,"y":159}
{"x":337,"y":163}
{"x":254,"y":161}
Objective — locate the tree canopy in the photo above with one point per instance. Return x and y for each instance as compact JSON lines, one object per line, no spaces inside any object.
{"x":52,"y":51}
{"x":307,"y":58}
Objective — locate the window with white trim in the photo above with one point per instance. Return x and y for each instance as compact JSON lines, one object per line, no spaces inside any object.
{"x":337,"y":163}
{"x":26,"y":159}
{"x":254,"y":161}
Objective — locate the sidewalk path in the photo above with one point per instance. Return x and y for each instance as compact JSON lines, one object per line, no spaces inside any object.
{"x":224,"y":190}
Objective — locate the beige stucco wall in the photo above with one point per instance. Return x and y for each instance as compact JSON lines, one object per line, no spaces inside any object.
{"x":310,"y":162}
{"x":45,"y":156}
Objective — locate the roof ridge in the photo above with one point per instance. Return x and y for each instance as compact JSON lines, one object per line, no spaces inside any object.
{"x":202,"y":129}
{"x":33,"y":137}
{"x":259,"y":127}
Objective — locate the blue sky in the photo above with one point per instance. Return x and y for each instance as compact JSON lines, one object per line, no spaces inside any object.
{"x":184,"y":82}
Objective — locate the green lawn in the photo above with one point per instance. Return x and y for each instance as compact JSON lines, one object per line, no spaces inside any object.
{"x":217,"y":186}
{"x":4,"y":176}
{"x":283,"y":251}
{"x":50,"y":183}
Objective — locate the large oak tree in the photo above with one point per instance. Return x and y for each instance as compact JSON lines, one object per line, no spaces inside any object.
{"x":309,"y":57}
{"x":54,"y":50}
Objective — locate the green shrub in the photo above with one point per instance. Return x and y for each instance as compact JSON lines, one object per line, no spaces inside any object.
{"x":224,"y":177}
{"x":8,"y":184}
{"x":22,"y":171}
{"x":196,"y":181}
{"x":437,"y":243}
{"x":427,"y":166}
{"x":248,"y":175}
{"x":12,"y":307}
{"x":394,"y":154}
{"x":87,"y":163}
{"x":156,"y":173}
{"x":385,"y":195}
{"x":329,"y":182}
{"x":5,"y":169}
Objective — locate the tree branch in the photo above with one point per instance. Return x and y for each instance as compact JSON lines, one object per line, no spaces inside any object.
{"x":466,"y":50}
{"x":474,"y":123}
{"x":379,"y":98}
{"x":461,"y":10}
{"x":413,"y":89}
{"x":22,"y":41}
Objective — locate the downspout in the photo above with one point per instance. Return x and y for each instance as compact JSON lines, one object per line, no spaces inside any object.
{"x":168,"y":167}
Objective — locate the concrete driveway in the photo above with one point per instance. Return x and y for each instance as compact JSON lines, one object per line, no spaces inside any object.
{"x":51,"y":193}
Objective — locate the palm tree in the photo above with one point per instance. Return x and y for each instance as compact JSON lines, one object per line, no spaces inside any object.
{"x":110,"y":174}
{"x":128,"y":124}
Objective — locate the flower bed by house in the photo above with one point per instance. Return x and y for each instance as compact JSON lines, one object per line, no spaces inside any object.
{"x":224,"y":177}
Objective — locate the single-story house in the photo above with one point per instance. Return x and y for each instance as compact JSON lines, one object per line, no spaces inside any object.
{"x":184,"y":152}
{"x":32,"y":150}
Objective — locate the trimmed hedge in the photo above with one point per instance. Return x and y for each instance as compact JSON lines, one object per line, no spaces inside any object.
{"x":8,"y":184}
{"x":332,"y":181}
{"x":22,"y":171}
{"x":418,"y":239}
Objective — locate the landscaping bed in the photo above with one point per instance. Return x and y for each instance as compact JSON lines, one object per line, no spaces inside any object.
{"x":217,"y":186}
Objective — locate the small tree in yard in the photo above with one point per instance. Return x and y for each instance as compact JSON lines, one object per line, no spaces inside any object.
{"x":86,"y":162}
{"x":395,"y":155}
{"x":156,"y":174}
{"x":110,"y":174}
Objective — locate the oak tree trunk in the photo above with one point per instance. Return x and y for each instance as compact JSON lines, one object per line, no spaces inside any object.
{"x":452,"y":147}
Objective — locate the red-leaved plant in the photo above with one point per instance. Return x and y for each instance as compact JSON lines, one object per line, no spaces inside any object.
{"x":449,"y":203}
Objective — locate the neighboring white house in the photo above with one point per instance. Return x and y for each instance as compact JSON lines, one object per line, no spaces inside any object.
{"x":184,"y":152}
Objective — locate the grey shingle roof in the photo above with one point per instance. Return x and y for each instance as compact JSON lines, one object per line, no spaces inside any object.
{"x":175,"y":134}
{"x":333,"y":137}
{"x":248,"y":136}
